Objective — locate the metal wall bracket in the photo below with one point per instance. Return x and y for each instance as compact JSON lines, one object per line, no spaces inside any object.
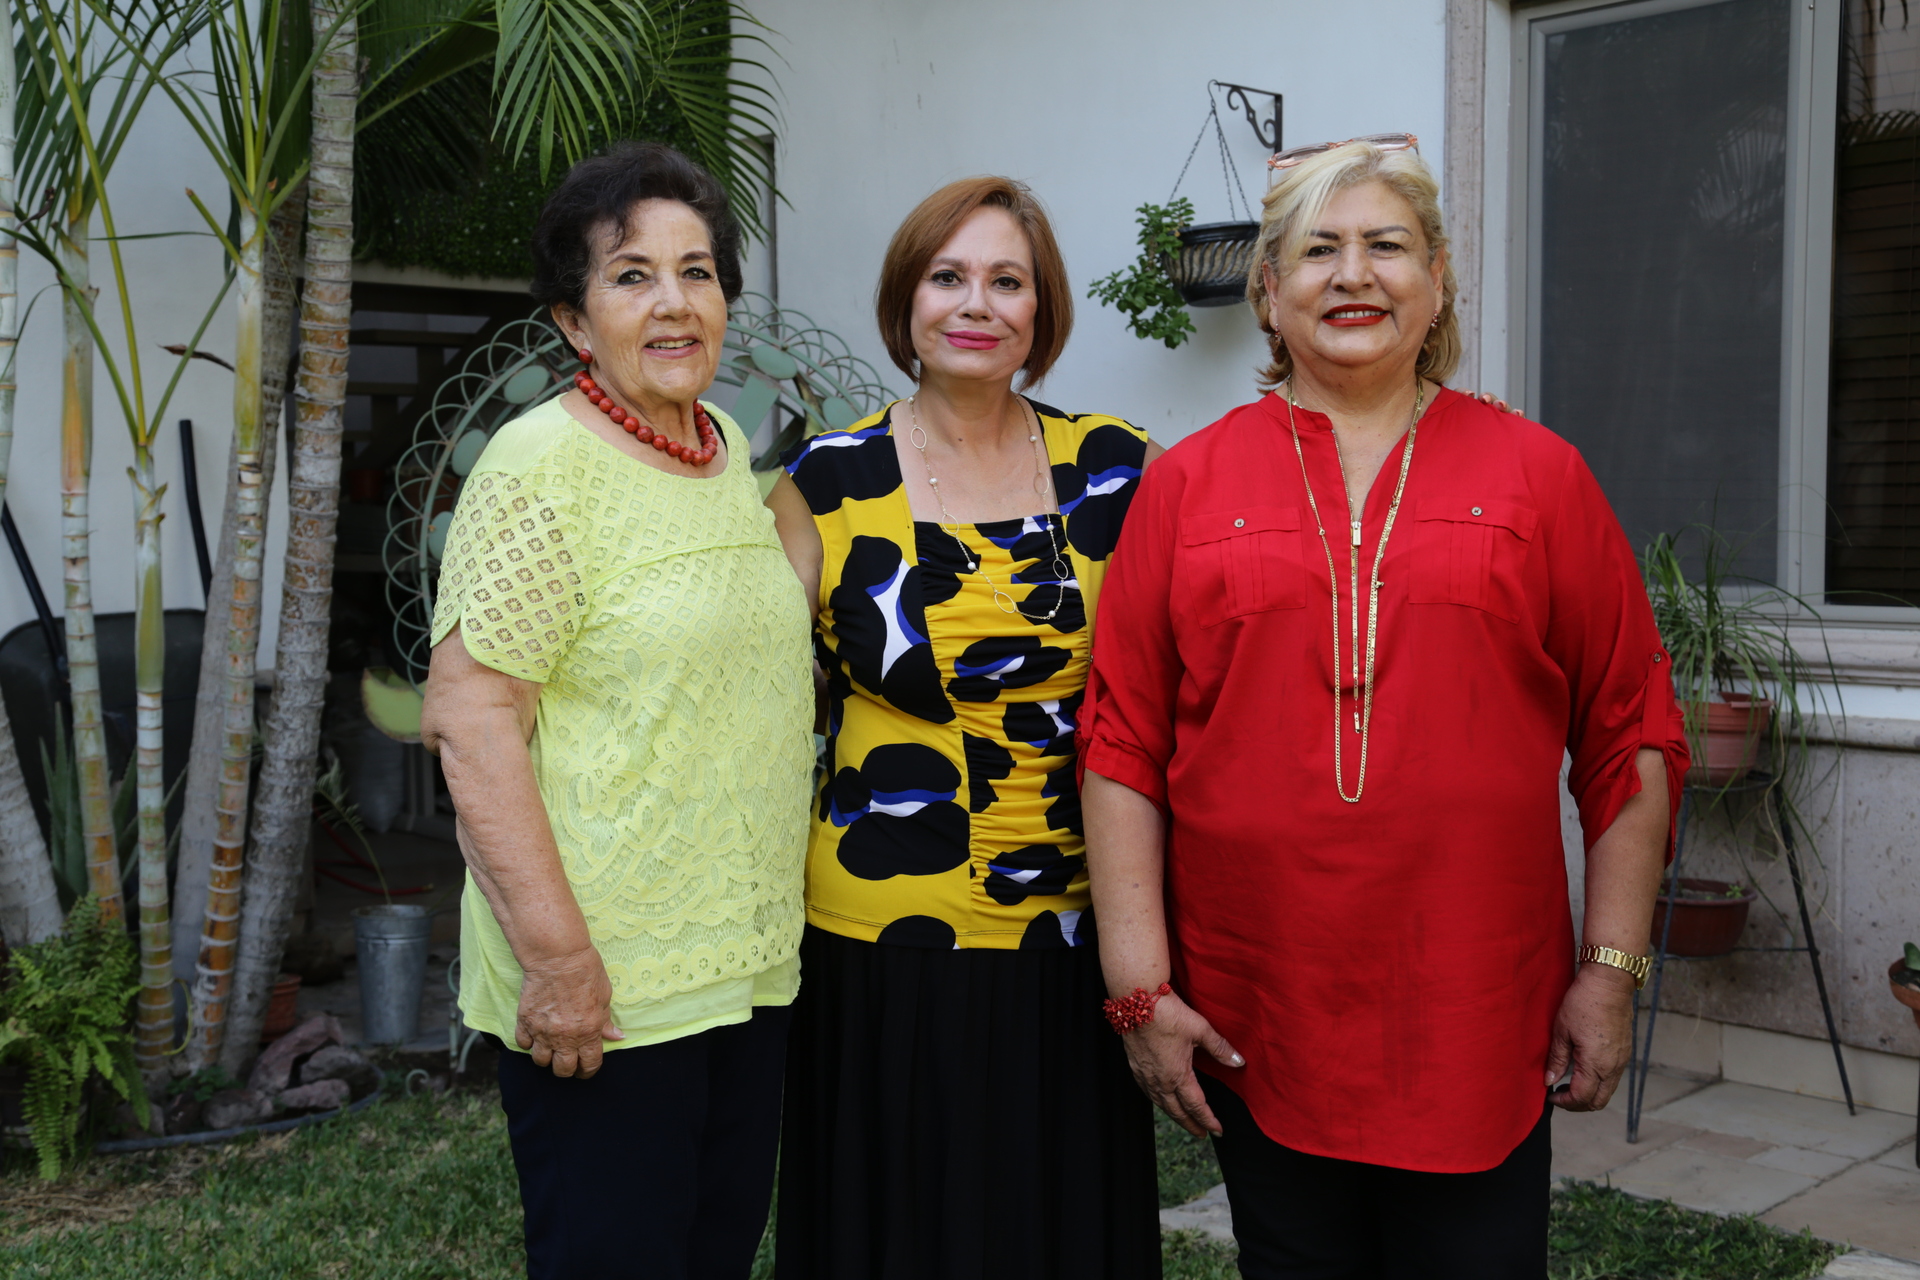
{"x":1268,"y":130}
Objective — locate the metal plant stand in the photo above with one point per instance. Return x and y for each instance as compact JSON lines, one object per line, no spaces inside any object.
{"x":1642,"y":1056}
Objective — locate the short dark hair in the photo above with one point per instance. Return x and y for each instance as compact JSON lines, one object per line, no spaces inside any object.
{"x":602,"y":190}
{"x":929,"y":227}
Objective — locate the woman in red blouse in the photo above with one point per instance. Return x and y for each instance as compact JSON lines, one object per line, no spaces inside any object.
{"x":1348,"y":636}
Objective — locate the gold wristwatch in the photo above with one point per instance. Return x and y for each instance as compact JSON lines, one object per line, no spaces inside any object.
{"x":1638,"y":966}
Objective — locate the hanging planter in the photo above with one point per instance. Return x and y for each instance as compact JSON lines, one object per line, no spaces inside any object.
{"x":1186,"y":264}
{"x":1211,"y":266}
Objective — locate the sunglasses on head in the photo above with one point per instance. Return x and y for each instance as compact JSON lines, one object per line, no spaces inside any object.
{"x":1385,"y":141}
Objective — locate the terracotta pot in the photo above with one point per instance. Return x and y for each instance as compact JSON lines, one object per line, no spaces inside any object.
{"x":1906,"y":995}
{"x":280,"y":1008}
{"x":1734,"y":729}
{"x":1702,"y":926}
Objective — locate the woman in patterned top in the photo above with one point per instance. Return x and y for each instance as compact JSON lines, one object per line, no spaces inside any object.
{"x":956,"y":1106}
{"x":620,"y":697}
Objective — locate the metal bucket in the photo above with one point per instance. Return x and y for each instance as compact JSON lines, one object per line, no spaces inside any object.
{"x":391,"y":942}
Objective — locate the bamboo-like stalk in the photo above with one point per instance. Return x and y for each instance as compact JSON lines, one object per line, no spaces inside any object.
{"x":29,"y":902}
{"x":214,"y":980}
{"x":154,"y":1032}
{"x":282,"y":810}
{"x":198,"y":820}
{"x":83,"y":657}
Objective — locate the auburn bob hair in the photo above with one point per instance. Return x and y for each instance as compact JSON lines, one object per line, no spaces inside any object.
{"x":927,"y":230}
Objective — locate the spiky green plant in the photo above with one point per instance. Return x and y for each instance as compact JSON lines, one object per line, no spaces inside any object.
{"x":1726,"y":634}
{"x":65,"y":1007}
{"x":66,"y":847}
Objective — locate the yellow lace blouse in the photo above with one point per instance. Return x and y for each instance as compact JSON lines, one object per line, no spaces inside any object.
{"x":673,"y":743}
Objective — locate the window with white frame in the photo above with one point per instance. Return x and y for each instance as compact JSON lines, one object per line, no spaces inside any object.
{"x":1714,"y":217}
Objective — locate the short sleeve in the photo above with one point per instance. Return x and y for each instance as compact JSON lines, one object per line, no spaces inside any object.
{"x":1127,"y":721}
{"x":510,"y":576}
{"x":1603,"y":636}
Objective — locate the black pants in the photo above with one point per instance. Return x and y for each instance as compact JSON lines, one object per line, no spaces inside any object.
{"x":658,"y":1168}
{"x":1302,"y":1217}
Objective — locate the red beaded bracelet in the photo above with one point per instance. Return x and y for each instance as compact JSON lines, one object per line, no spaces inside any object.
{"x":1134,"y":1011}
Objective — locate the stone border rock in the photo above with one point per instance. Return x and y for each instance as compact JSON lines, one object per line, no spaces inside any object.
{"x":123,"y":1146}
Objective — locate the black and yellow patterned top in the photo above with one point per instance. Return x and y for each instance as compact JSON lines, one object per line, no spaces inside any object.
{"x":950,"y":815}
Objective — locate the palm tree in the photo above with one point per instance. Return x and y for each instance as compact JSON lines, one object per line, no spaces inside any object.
{"x":29,"y":903}
{"x":282,"y":815}
{"x":71,"y":143}
{"x":255,"y":100}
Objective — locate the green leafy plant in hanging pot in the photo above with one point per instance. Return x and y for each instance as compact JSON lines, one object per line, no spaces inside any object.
{"x":66,"y":1015}
{"x":1181,"y":263}
{"x":1143,"y":292}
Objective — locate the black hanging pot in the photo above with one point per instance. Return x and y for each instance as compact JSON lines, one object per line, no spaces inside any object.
{"x":1211,"y":267}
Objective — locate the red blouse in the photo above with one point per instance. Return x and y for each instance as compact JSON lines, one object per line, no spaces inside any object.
{"x":1389,"y":969}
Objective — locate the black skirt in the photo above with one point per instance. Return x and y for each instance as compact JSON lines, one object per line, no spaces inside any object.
{"x":961,"y":1115}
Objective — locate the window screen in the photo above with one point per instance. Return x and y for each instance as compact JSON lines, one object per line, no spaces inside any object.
{"x":1659,"y":167}
{"x":1873,"y":460}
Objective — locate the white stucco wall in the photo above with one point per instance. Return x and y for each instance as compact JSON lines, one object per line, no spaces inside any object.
{"x":172,"y":281}
{"x":1094,"y":103}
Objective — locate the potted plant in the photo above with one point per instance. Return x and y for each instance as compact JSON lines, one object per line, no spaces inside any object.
{"x":1903,"y":976}
{"x":1739,"y":680}
{"x":1741,"y":685}
{"x":1181,"y":264}
{"x":1708,"y":916}
{"x":1143,"y":292}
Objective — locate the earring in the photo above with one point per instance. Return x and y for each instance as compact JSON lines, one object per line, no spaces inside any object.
{"x":586,"y":356}
{"x":1435,"y":321}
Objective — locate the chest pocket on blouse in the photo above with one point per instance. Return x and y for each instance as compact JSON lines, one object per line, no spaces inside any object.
{"x":1243,"y":561}
{"x":1472,"y":553}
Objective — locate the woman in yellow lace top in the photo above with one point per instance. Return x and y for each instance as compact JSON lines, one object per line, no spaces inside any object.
{"x":621,"y":696}
{"x":956,"y":1106}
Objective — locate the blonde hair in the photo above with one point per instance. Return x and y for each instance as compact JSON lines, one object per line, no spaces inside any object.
{"x":1295,"y":203}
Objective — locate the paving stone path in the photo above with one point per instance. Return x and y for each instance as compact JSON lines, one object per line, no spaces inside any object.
{"x":1794,"y":1161}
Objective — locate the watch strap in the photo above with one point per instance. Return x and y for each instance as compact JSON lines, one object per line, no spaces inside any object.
{"x":1638,"y":966}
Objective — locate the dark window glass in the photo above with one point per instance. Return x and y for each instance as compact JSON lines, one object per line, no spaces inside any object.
{"x":1873,"y":459}
{"x":1660,"y":139}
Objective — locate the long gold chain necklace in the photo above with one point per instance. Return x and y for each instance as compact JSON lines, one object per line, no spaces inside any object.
{"x":917,"y":437}
{"x":1363,"y":691}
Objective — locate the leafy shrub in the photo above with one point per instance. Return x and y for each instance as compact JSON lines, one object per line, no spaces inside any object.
{"x":65,"y":1013}
{"x":1143,"y":293}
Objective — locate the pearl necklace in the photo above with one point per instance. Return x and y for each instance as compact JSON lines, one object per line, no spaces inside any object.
{"x":1362,"y":720}
{"x":917,"y":437}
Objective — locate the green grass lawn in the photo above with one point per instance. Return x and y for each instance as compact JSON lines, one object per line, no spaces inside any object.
{"x":424,"y":1187}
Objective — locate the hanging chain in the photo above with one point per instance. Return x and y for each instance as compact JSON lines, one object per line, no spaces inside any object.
{"x":1229,"y":176}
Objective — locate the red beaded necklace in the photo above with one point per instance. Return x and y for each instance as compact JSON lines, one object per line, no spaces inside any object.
{"x":709,"y":439}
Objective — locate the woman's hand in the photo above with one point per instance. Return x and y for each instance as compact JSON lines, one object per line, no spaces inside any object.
{"x":1161,"y":1055}
{"x":1593,"y":1033}
{"x":565,"y":1012}
{"x":1487,"y":397}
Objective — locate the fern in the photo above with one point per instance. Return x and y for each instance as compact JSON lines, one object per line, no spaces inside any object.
{"x":65,"y":1007}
